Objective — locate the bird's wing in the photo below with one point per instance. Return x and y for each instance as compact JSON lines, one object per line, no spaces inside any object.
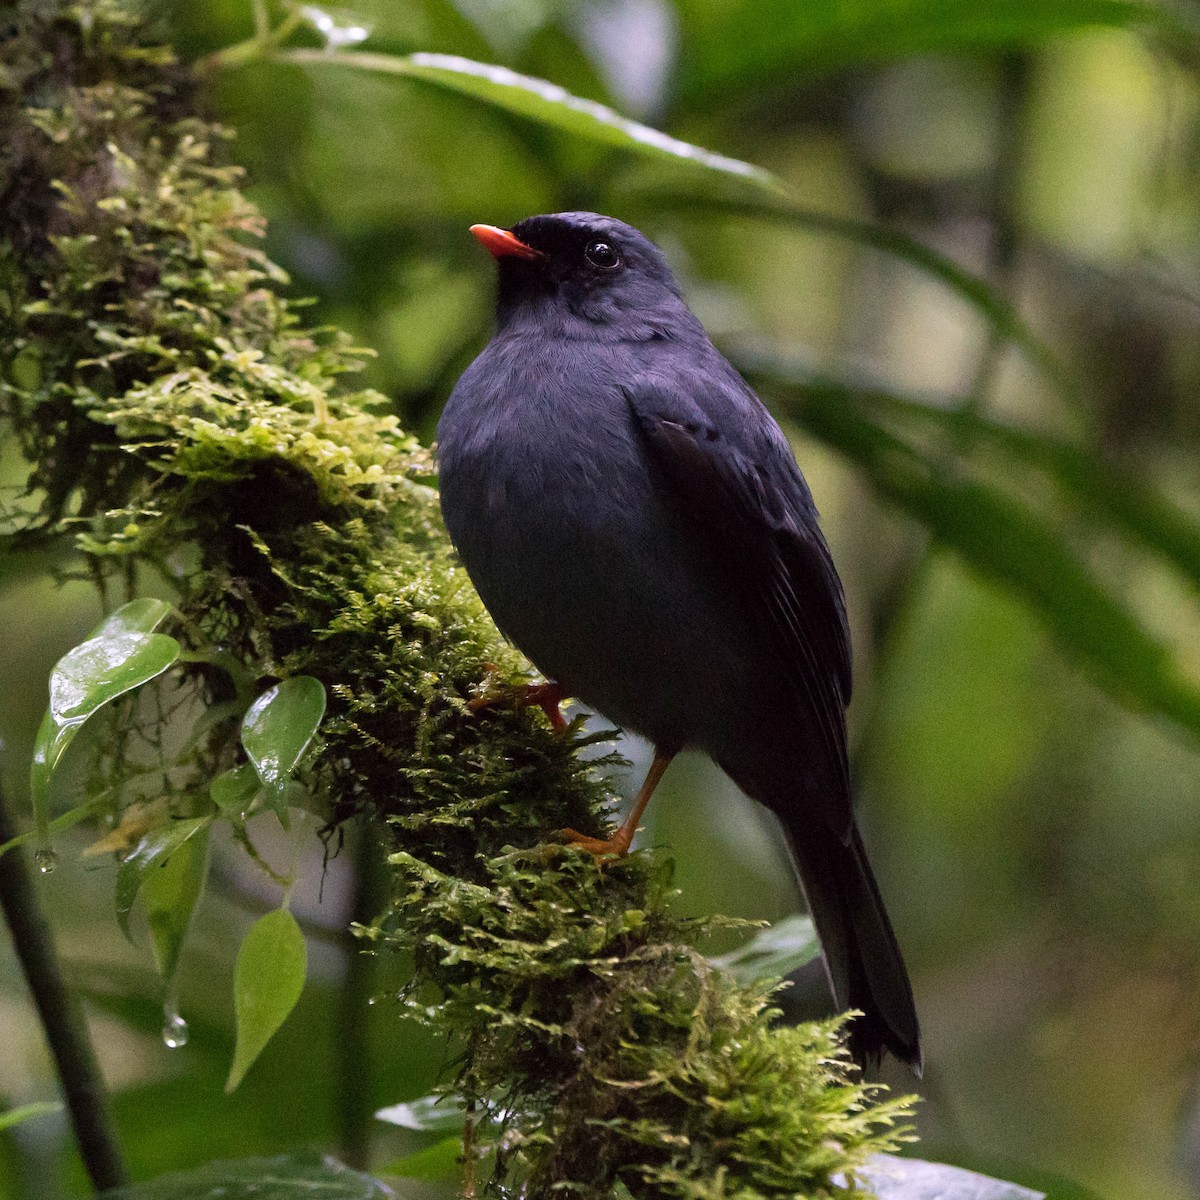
{"x":735,"y":480}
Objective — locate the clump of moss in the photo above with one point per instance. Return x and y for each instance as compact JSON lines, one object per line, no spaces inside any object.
{"x":180,"y":420}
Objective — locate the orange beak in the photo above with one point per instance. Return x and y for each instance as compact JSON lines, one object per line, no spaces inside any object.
{"x":499,"y":243}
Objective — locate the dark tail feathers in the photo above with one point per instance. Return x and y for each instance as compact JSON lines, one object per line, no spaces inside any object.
{"x":862,"y":958}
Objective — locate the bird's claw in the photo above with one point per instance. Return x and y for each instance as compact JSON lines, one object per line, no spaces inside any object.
{"x":616,"y":846}
{"x":546,"y":696}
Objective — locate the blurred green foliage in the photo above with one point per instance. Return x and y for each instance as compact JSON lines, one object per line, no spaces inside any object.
{"x":1038,"y":842}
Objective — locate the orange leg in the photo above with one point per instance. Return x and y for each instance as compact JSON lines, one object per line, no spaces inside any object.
{"x":620,"y":841}
{"x":547,"y":696}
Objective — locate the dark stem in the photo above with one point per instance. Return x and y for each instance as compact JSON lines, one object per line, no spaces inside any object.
{"x":60,"y":1014}
{"x":355,"y":1102}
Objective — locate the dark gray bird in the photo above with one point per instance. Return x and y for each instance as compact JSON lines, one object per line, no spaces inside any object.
{"x":636,"y":523}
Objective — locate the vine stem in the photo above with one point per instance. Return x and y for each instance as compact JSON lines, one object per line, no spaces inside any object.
{"x":60,"y":1014}
{"x":355,"y":1110}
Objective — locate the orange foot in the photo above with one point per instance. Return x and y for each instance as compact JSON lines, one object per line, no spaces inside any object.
{"x":546,"y":696}
{"x":616,"y":846}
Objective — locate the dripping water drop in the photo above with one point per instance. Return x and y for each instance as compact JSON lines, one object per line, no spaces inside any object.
{"x":46,"y":860}
{"x":174,"y":1030}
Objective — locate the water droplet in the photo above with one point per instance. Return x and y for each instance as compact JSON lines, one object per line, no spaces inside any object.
{"x":46,"y":860}
{"x":174,"y":1030}
{"x":336,"y":29}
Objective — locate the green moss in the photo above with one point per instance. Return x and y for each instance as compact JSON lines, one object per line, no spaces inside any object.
{"x":179,"y":419}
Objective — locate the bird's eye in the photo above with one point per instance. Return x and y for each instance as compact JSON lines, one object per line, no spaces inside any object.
{"x":603,"y":255}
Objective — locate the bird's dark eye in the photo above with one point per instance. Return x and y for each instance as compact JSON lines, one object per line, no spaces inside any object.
{"x":603,"y":255}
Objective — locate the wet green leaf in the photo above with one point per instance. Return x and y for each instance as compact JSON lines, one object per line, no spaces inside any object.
{"x":278,"y":729}
{"x":540,"y":101}
{"x":233,"y":791}
{"x":86,"y":678}
{"x":169,"y":896}
{"x":773,"y":953}
{"x":27,"y":1112}
{"x":287,"y":1177}
{"x":155,"y":849}
{"x":267,"y":982}
{"x":143,"y":615}
{"x":103,"y":668}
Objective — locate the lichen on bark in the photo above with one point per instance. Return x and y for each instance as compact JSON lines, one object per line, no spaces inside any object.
{"x":187,"y":431}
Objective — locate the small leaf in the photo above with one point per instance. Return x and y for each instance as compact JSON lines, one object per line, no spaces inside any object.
{"x":233,"y":791}
{"x":169,"y":896}
{"x":774,"y":952}
{"x":103,"y":668}
{"x":429,"y":1114}
{"x":42,"y":1108}
{"x":288,"y":1177}
{"x":267,"y":982}
{"x":86,"y":678}
{"x":153,"y":850}
{"x":278,"y":729}
{"x":894,"y":1178}
{"x":143,"y":615}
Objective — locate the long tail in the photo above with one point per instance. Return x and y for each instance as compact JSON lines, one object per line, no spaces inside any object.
{"x":862,"y":958}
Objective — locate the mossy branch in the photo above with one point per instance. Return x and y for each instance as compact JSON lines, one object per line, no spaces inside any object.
{"x":182,"y":424}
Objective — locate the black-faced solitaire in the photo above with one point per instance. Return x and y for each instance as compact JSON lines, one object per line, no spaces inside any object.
{"x":636,"y":524}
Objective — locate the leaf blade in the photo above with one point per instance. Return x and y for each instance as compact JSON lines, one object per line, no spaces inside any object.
{"x":535,"y":99}
{"x":747,"y":189}
{"x":286,"y":1177}
{"x":155,"y":849}
{"x":1132,"y":506}
{"x":169,"y":897}
{"x":143,"y":615}
{"x":28,"y":1112}
{"x":752,"y":44}
{"x":94,"y":673}
{"x":267,"y":981}
{"x":277,"y":730}
{"x":103,"y":668}
{"x":426,"y":1114}
{"x":234,"y":790}
{"x":1009,"y":543}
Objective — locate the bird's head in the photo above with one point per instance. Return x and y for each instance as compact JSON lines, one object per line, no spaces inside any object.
{"x":578,"y":274}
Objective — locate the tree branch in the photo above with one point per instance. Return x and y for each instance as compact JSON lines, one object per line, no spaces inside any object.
{"x":61,"y":1016}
